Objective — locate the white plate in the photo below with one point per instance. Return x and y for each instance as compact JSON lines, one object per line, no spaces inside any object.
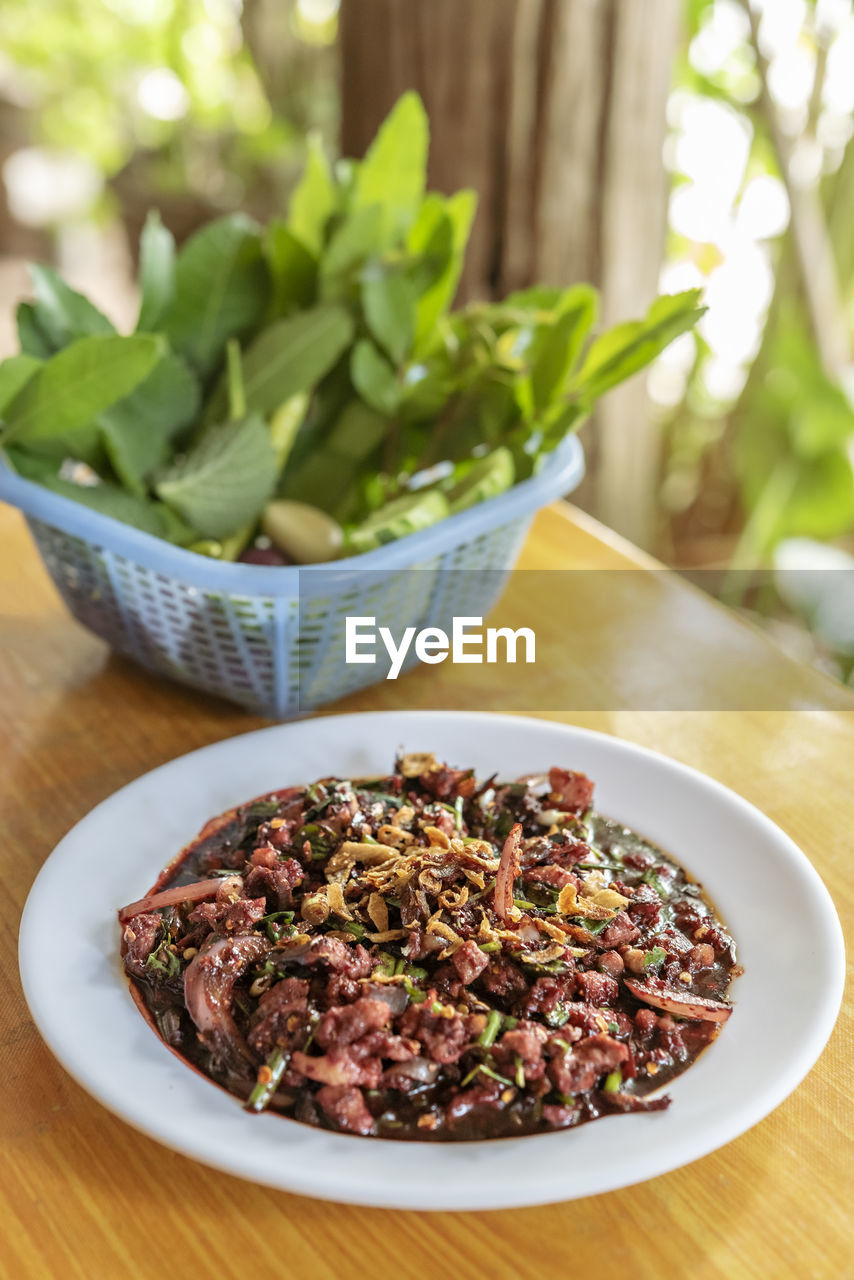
{"x":772,"y":899}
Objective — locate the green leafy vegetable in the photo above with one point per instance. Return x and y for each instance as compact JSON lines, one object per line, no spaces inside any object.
{"x":69,"y":391}
{"x":293,"y":271}
{"x":15,"y":373}
{"x":374,"y":378}
{"x":447,"y":222}
{"x":393,"y":173}
{"x":221,"y":290}
{"x":62,"y":313}
{"x":293,"y":355}
{"x":626,"y":349}
{"x":33,"y":339}
{"x":225,"y":480}
{"x":156,"y":272}
{"x":314,"y":199}
{"x":388,"y":301}
{"x":110,"y":500}
{"x":557,"y":345}
{"x":317,"y":362}
{"x":138,"y":431}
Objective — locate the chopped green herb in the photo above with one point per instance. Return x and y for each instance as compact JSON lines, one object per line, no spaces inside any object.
{"x":269,"y":1077}
{"x":279,"y":924}
{"x":262,"y":809}
{"x":520,"y":1071}
{"x":353,"y":926}
{"x":653,"y":957}
{"x":489,"y":946}
{"x":487,"y":1071}
{"x":651,"y":877}
{"x":163,"y":960}
{"x":458,"y":809}
{"x":613,"y":1082}
{"x":492,"y":1028}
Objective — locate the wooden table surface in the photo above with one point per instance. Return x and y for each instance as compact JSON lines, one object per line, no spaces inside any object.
{"x":83,"y":1195}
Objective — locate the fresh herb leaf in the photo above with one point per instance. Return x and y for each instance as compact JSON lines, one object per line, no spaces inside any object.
{"x":315,"y":198}
{"x":459,"y":209}
{"x":15,"y":373}
{"x":594,"y":926}
{"x":138,"y":431}
{"x":292,"y":355}
{"x":388,"y":301}
{"x":654,"y":957}
{"x":652,"y":878}
{"x":627,"y":348}
{"x":74,"y":387}
{"x":393,"y":173}
{"x":374,"y":378}
{"x":221,"y":290}
{"x":156,"y":272}
{"x":33,"y":339}
{"x":139,"y":512}
{"x":63,"y":313}
{"x":361,"y":235}
{"x":293,"y":270}
{"x":557,"y":343}
{"x":163,"y":960}
{"x":225,"y":481}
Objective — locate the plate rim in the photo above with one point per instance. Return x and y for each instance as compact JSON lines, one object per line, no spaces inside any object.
{"x":326,"y":1184}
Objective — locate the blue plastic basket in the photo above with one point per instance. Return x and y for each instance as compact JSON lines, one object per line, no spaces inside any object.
{"x":272,"y":639}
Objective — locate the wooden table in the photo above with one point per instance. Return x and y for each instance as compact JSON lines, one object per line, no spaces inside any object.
{"x":82,"y":1195}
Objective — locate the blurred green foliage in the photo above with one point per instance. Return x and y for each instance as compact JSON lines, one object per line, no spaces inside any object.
{"x":173,"y":81}
{"x":773,"y":459}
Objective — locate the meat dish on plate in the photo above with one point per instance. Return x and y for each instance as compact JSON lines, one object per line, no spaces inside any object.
{"x":431,"y":956}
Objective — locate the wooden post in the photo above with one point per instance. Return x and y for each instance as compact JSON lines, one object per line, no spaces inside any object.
{"x":554,"y":111}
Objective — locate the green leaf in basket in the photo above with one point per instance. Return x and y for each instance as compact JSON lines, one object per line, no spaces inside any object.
{"x":363,"y":234}
{"x":374,"y":378}
{"x":397,"y":519}
{"x":289,"y":356}
{"x":61,"y":312}
{"x":137,"y":432}
{"x":56,"y":409}
{"x":556,"y":345}
{"x":627,"y":348}
{"x":30,"y":465}
{"x":221,"y":290}
{"x":32,"y":338}
{"x":440,"y":232}
{"x":393,"y":173}
{"x":156,"y":272}
{"x":315,"y":198}
{"x":484,"y":479}
{"x":388,"y":301}
{"x":142,"y":513}
{"x":357,"y":431}
{"x":293,"y":270}
{"x":225,"y":481}
{"x":15,"y":372}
